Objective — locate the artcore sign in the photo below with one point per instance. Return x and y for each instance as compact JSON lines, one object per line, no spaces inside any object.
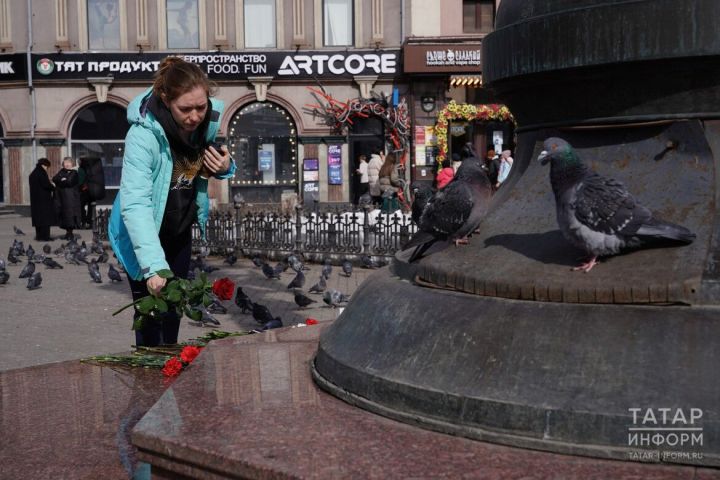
{"x":219,"y":65}
{"x":443,"y":58}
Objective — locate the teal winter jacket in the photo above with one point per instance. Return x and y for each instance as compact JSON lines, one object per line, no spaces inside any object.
{"x":139,"y":207}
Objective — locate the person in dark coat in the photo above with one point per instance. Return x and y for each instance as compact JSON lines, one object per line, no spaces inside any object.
{"x":42,"y":208}
{"x":67,"y":184}
{"x":92,"y":187}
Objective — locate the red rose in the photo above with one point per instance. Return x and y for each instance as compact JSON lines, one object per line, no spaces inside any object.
{"x":310,"y":321}
{"x":223,"y":288}
{"x":172,"y":367}
{"x":189,"y":353}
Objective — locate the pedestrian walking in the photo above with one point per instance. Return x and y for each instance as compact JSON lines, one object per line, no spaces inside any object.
{"x":163,"y":190}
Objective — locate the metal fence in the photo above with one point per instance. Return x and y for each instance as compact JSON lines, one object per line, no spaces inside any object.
{"x":318,"y":234}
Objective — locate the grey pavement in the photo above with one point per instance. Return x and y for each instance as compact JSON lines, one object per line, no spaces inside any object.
{"x":70,"y":317}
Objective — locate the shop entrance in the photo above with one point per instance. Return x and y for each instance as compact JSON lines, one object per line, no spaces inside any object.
{"x":367,"y":136}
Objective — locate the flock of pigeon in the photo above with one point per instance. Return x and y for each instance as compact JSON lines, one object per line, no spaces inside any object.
{"x":595,"y":213}
{"x":72,"y":252}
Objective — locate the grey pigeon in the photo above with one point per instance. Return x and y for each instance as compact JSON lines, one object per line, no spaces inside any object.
{"x":454,"y":212}
{"x":320,"y":286}
{"x":298,"y":281}
{"x":94,"y":272}
{"x":27,"y":270}
{"x":4,"y":277}
{"x":12,"y":258}
{"x":367,"y":262}
{"x":421,"y":197}
{"x":216,"y":307}
{"x":113,"y":274}
{"x":274,"y":323}
{"x":258,"y":262}
{"x":30,"y":252}
{"x":47,"y":249}
{"x":334,"y":298}
{"x":231,"y":259}
{"x":597,"y":214}
{"x":301,"y":300}
{"x":295,"y":263}
{"x":102,"y":258}
{"x":18,"y":231}
{"x":2,"y":264}
{"x":207,"y":317}
{"x":270,"y":272}
{"x":280,"y":268}
{"x":50,"y":263}
{"x":243,"y":301}
{"x":327,"y":269}
{"x":34,"y":281}
{"x":70,"y":258}
{"x":347,"y":268}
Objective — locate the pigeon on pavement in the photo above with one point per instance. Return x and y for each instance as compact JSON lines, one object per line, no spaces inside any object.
{"x":243,"y":301}
{"x":261,"y":313}
{"x":34,"y":281}
{"x":368,"y":262}
{"x":327,"y":269}
{"x":301,"y":300}
{"x":50,"y":263}
{"x":30,"y":252}
{"x":94,"y":271}
{"x":347,"y":268}
{"x":333,"y":297}
{"x":231,"y":259}
{"x":298,"y":281}
{"x":270,"y":272}
{"x":18,"y":231}
{"x":114,"y":274}
{"x":454,"y":212}
{"x":320,"y":286}
{"x":274,"y":323}
{"x":27,"y":270}
{"x":4,"y":277}
{"x":597,"y":214}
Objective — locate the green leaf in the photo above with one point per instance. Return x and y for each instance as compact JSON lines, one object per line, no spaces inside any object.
{"x":193,"y":314}
{"x":146,"y":304}
{"x":174,"y":296}
{"x":206,"y":300}
{"x":138,"y":323}
{"x":161,"y":305}
{"x":165,"y":273}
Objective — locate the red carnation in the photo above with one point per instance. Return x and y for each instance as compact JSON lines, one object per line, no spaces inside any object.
{"x":172,"y":367}
{"x":223,"y":288}
{"x":310,"y":321}
{"x":189,"y":353}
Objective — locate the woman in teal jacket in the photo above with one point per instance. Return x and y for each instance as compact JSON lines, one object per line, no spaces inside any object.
{"x":163,"y":191}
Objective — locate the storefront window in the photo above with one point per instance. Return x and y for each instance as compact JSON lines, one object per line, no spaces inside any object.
{"x":182,"y":24}
{"x":103,"y":24}
{"x":259,"y":23}
{"x":99,"y":131}
{"x":262,"y":140}
{"x":338,"y":23}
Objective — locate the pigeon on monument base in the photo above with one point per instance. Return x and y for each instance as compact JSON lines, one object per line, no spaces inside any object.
{"x":597,"y":214}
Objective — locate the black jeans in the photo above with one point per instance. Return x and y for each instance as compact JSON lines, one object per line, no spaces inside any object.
{"x":178,"y":251}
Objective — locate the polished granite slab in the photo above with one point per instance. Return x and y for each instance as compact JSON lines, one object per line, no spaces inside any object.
{"x":248,"y":408}
{"x":73,"y":420}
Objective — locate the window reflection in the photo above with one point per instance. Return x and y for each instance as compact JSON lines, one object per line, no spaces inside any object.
{"x":103,"y":24}
{"x":259,"y":23}
{"x":182,"y":24}
{"x":338,"y":22}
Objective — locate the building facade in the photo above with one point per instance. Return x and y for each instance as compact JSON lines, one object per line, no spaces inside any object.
{"x":69,"y":68}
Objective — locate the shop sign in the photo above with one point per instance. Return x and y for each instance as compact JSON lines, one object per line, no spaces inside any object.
{"x":12,"y":67}
{"x":441,"y":58}
{"x":218,"y":65}
{"x":334,"y":165}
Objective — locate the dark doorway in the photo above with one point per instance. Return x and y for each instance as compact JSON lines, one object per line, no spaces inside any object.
{"x":2,"y":166}
{"x":367,"y":136}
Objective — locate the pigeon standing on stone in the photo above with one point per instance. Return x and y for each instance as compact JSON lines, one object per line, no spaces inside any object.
{"x":34,"y":281}
{"x":47,"y":249}
{"x":320,"y":286}
{"x":333,"y":297}
{"x":257,"y":261}
{"x":270,"y":272}
{"x":347,"y":268}
{"x":50,"y":263}
{"x":113,"y":274}
{"x":243,"y":301}
{"x":261,"y":314}
{"x":12,"y":258}
{"x":216,"y":307}
{"x":94,"y":271}
{"x":30,"y":252}
{"x":27,"y":270}
{"x":274,"y":323}
{"x":301,"y":300}
{"x":295,"y":263}
{"x":327,"y":269}
{"x":298,"y":281}
{"x":597,"y":214}
{"x":230,"y":259}
{"x":454,"y":212}
{"x":18,"y":231}
{"x":2,"y":264}
{"x":4,"y":277}
{"x":368,"y":262}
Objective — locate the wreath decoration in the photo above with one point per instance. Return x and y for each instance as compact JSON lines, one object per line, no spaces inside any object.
{"x":454,"y":111}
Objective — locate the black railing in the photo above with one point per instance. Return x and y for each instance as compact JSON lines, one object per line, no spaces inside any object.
{"x":318,"y":234}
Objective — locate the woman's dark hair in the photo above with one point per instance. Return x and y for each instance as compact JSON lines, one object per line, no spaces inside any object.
{"x":446,"y":163}
{"x":361,"y":158}
{"x":388,"y":165}
{"x":468,"y":151}
{"x":176,"y":77}
{"x":44,"y":162}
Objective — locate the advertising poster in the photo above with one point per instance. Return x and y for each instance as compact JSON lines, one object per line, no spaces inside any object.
{"x":420,"y":155}
{"x":265,"y":160}
{"x":335,"y":165}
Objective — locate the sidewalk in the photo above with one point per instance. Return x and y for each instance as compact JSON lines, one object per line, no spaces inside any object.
{"x":70,"y":317}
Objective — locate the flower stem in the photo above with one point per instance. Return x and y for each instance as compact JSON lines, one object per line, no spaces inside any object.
{"x":127,"y":306}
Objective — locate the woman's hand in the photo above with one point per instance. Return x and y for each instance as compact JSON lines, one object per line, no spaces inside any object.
{"x":155,"y":284}
{"x":216,"y":162}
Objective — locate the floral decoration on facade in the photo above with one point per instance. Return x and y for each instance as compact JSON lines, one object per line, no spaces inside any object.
{"x":341,"y":115}
{"x":465,"y":111}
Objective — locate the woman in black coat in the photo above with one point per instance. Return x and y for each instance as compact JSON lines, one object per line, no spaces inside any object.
{"x":42,"y":208}
{"x":68,"y":196}
{"x":92,"y":188}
